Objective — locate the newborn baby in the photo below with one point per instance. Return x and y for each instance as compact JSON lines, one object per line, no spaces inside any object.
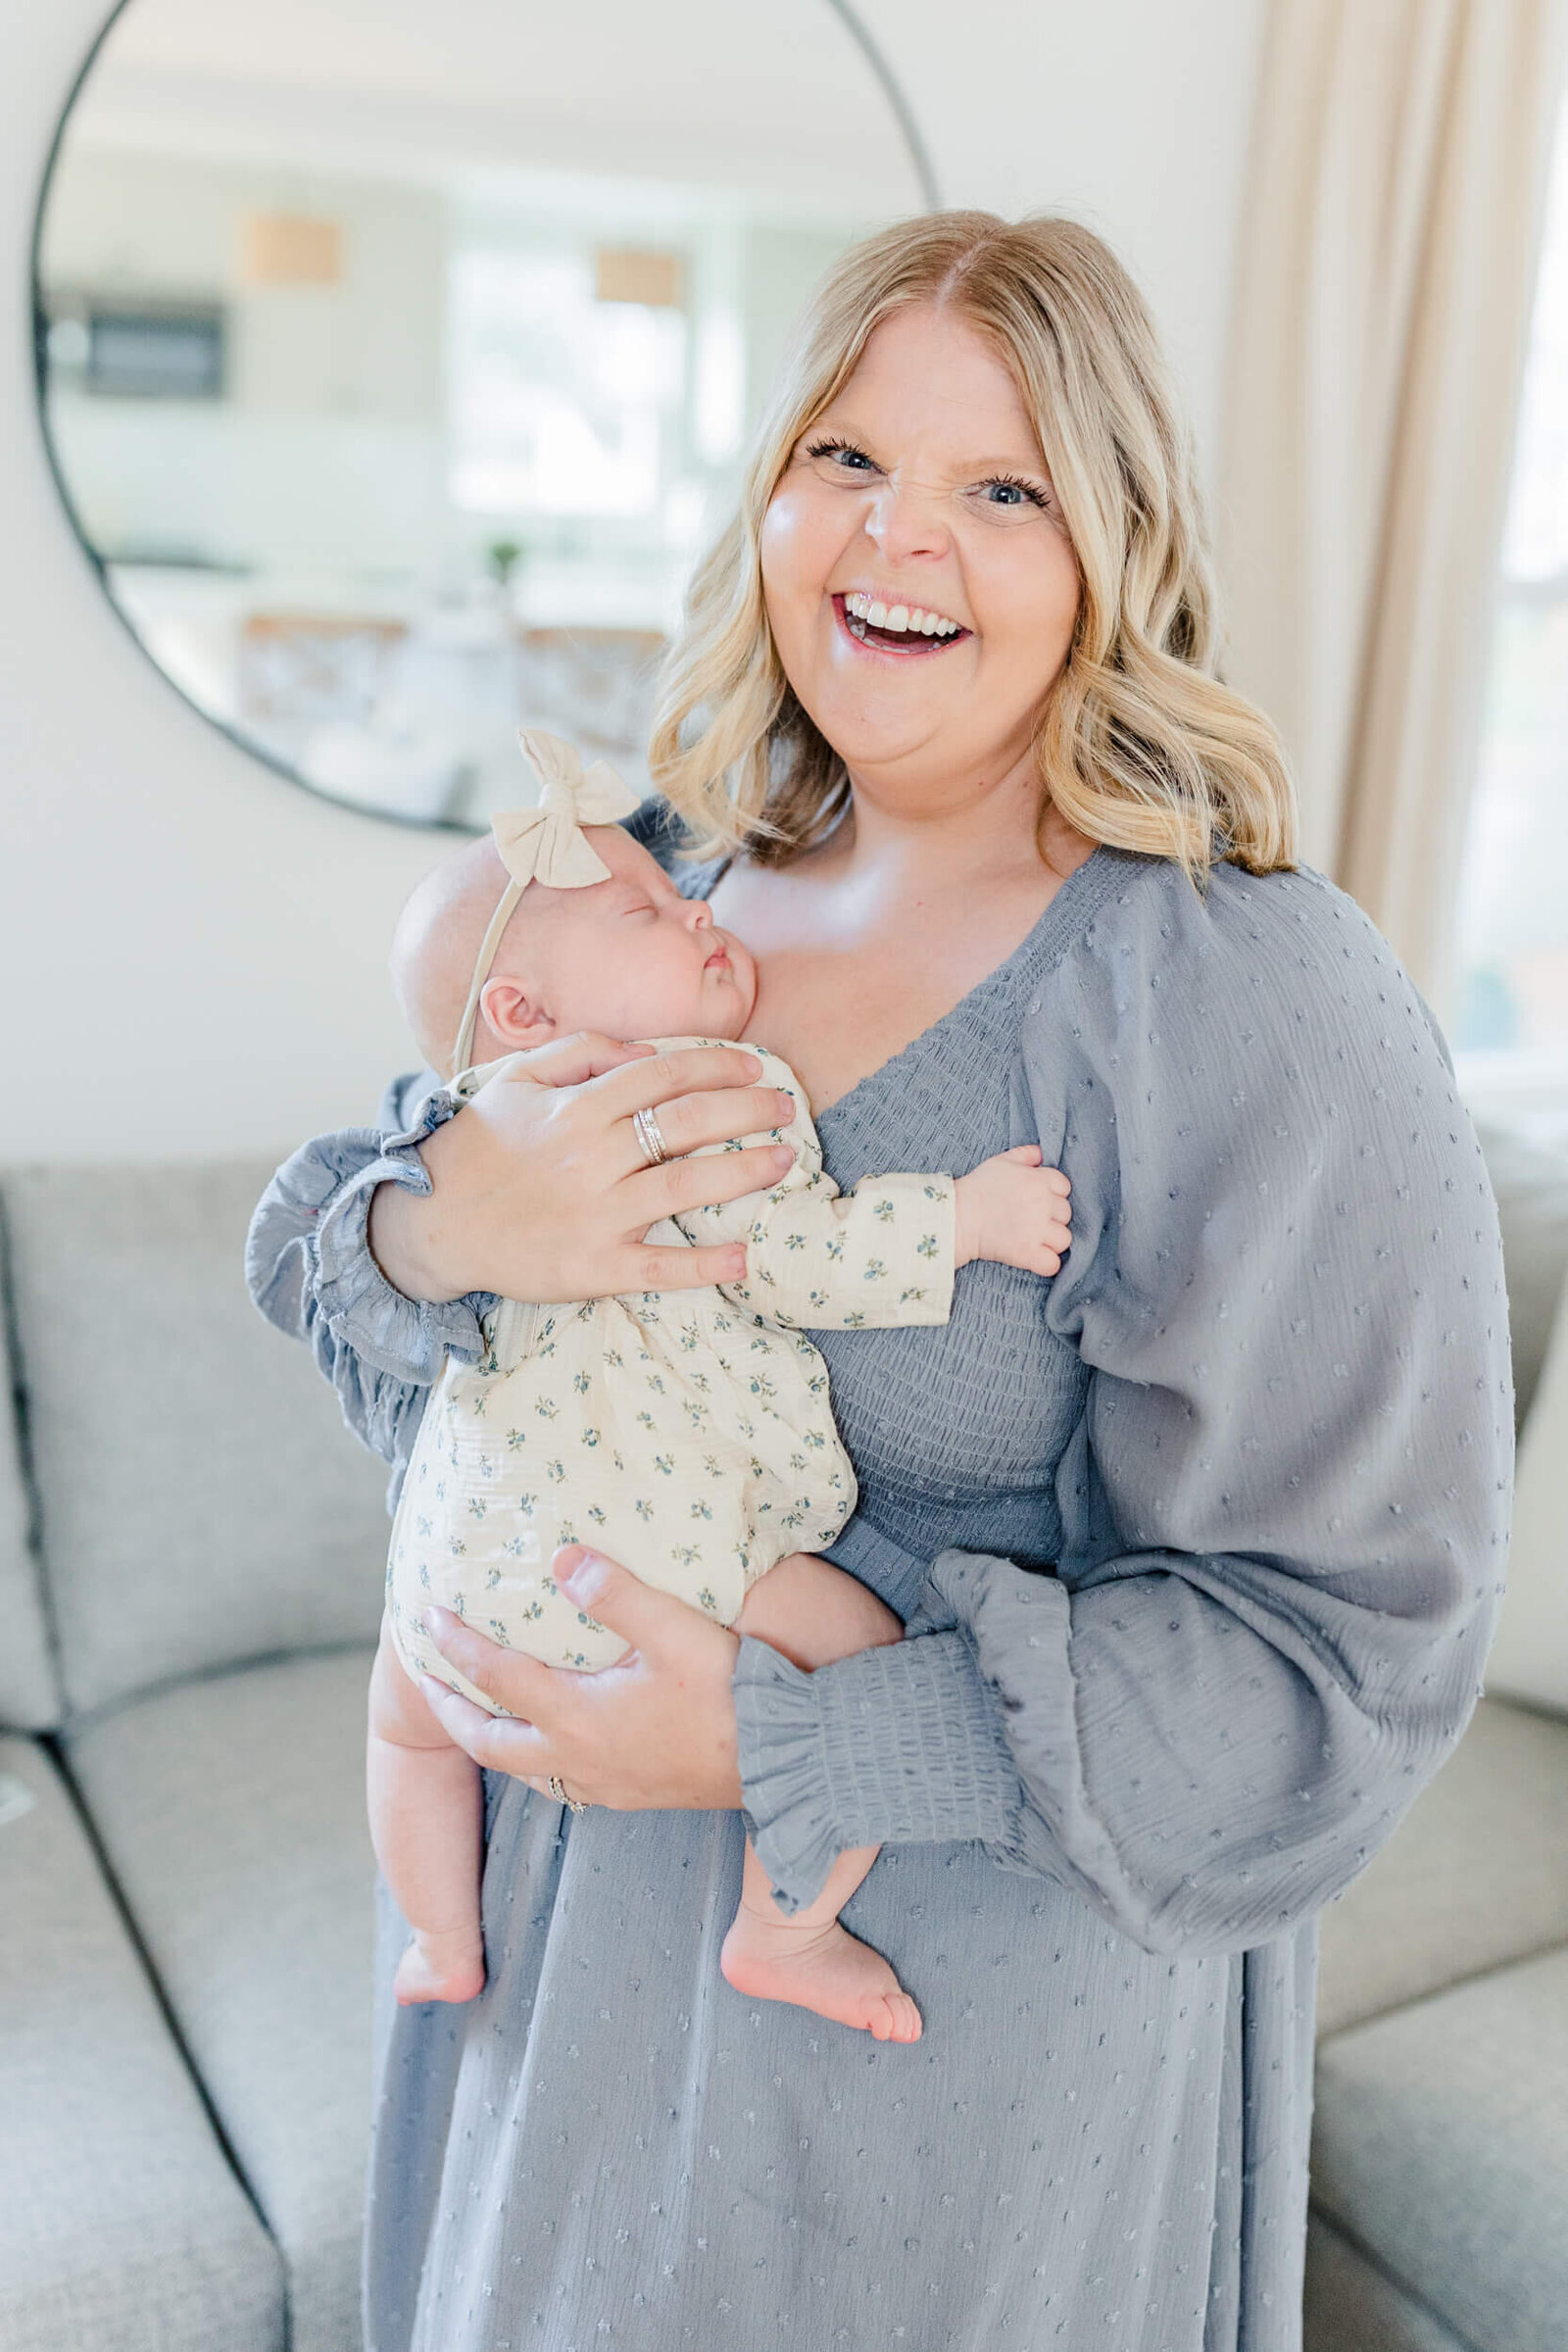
{"x":687,"y":1434}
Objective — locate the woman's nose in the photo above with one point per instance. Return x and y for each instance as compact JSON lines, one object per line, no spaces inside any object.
{"x":906,"y":519}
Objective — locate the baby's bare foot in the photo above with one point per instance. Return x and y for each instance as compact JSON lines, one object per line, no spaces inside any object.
{"x":444,"y":1966}
{"x":825,"y":1968}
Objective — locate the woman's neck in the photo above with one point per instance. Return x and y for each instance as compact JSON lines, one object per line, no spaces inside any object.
{"x":955,"y":845}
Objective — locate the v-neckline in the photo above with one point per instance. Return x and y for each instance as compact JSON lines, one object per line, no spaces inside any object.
{"x":1101,"y":862}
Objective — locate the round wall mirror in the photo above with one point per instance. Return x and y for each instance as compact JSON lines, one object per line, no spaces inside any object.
{"x":396,"y":359}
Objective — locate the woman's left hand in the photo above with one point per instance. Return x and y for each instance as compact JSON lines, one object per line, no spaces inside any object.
{"x":655,"y":1730}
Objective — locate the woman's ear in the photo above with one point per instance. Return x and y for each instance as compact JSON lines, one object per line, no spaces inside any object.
{"x":513,"y":1018}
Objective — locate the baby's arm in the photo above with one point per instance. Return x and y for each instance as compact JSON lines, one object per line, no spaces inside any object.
{"x":886,"y":1253}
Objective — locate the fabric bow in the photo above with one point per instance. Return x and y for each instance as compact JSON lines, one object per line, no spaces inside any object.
{"x":546,"y":844}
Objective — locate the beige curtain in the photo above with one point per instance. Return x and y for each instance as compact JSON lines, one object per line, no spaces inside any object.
{"x":1385,"y":272}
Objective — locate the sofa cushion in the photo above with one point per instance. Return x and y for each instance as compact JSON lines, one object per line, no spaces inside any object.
{"x":1475,"y":1875}
{"x":29,"y":1688}
{"x":122,"y":2226}
{"x":1350,"y":2306}
{"x":1529,"y":1656}
{"x":201,"y":1503}
{"x":1438,"y":2145}
{"x":1532,"y":1187}
{"x":232,"y":1813}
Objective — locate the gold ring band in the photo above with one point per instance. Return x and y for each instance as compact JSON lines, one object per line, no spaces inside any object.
{"x":646,"y":1127}
{"x":572,"y":1803}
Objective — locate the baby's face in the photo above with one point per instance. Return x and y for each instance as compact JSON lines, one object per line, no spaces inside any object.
{"x":631,"y":957}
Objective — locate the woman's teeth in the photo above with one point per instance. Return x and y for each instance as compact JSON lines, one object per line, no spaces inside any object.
{"x":899,"y":621}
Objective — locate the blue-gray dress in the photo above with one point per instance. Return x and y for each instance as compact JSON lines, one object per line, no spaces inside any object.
{"x":1199,"y":1546}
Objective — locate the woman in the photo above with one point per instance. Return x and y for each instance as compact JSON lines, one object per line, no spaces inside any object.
{"x":1197,"y":1544}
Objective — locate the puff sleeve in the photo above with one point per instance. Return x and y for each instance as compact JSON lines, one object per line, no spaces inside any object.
{"x":1285,"y":1504}
{"x":309,"y":1270}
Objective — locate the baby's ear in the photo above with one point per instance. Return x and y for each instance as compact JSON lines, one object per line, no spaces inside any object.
{"x":513,"y":1018}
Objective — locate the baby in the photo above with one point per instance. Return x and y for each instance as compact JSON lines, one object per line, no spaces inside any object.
{"x":687,"y":1434}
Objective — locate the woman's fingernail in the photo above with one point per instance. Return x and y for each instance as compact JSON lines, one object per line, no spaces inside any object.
{"x":783,"y":1157}
{"x":427,"y":1617}
{"x":582,"y":1578}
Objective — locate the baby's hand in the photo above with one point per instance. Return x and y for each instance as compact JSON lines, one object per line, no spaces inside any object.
{"x":1012,"y":1209}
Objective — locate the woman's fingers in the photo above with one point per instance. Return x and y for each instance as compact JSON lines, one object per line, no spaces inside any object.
{"x":678,"y":1184}
{"x":494,"y":1741}
{"x":660,"y":1078}
{"x":573,"y":1060}
{"x":516,"y":1682}
{"x":652,"y":1267}
{"x":691,"y":1121}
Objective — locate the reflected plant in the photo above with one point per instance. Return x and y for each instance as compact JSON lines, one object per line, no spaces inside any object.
{"x":503,"y":557}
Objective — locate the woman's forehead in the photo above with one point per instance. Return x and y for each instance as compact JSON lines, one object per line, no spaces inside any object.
{"x":931,"y":375}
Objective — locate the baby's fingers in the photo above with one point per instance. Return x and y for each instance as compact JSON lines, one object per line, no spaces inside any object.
{"x":1030,"y":1155}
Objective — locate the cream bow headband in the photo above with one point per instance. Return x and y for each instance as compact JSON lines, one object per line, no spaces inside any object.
{"x":546,"y":844}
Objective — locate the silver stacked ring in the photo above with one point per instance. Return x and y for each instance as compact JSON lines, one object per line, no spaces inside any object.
{"x":573,"y":1803}
{"x":647,"y":1130}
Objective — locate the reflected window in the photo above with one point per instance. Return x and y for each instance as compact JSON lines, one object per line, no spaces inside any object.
{"x":562,"y":403}
{"x":1511,"y":1031}
{"x":395,"y":390}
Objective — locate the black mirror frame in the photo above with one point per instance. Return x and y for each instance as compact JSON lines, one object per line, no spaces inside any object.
{"x":919,"y":156}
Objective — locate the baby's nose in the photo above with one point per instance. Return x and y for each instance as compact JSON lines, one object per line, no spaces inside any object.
{"x":702,"y":914}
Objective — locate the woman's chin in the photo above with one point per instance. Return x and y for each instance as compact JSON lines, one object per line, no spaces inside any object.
{"x":878,"y":723}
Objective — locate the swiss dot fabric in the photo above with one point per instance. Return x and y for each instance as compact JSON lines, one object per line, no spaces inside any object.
{"x":1199,"y":1547}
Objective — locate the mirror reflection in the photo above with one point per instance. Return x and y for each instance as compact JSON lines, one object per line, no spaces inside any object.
{"x":395,"y":360}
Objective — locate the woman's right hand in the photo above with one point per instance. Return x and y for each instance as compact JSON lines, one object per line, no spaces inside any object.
{"x":541,"y":1190}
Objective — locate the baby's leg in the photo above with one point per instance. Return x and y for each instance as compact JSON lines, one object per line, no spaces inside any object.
{"x":813,"y":1613}
{"x":426,"y":1822}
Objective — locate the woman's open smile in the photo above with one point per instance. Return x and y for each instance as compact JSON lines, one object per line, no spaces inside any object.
{"x":882,"y":626}
{"x":917,"y":513}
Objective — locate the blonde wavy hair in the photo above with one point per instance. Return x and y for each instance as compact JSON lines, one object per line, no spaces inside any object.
{"x":1137,"y":743}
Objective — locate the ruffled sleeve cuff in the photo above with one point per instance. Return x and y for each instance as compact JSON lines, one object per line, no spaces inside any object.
{"x":406,"y":1338}
{"x":1019,"y":1624}
{"x":902,"y":1744}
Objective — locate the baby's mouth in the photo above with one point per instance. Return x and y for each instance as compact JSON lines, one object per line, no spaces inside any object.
{"x":904,"y":629}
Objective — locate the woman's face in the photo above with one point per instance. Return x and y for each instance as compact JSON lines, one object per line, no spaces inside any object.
{"x":921,"y":495}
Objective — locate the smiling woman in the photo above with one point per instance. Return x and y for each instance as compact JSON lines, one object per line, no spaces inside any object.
{"x":973,"y":495}
{"x":1192,"y":1534}
{"x":889,"y":503}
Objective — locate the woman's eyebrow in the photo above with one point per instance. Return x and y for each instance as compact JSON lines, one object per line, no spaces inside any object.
{"x":1011,"y":463}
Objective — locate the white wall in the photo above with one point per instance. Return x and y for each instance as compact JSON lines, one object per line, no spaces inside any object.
{"x":192,"y":952}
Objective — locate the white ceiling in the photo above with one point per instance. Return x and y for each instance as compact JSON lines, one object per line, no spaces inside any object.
{"x":766,"y":95}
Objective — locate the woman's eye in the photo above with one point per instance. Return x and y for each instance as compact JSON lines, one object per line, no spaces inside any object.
{"x":1002,"y":491}
{"x":843,"y":456}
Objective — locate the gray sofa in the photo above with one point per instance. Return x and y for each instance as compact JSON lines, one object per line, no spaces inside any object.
{"x":190,"y":1578}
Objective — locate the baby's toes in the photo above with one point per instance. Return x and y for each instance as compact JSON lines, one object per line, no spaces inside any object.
{"x":905,"y":2018}
{"x":895,"y":2018}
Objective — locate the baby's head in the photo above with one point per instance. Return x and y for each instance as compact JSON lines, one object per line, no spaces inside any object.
{"x":627,"y":955}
